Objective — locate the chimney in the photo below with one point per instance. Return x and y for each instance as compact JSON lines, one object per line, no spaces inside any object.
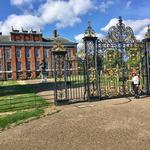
{"x":55,"y":33}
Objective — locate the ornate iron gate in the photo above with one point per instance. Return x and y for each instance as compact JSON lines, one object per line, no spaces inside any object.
{"x":69,"y":75}
{"x":105,"y":68}
{"x":114,"y":59}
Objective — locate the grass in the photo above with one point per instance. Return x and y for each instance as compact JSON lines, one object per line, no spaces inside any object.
{"x":19,"y":102}
{"x":8,"y":83}
{"x":6,"y":121}
{"x":15,"y":97}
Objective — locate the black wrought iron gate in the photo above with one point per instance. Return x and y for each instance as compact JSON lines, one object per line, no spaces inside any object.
{"x":104,"y":70}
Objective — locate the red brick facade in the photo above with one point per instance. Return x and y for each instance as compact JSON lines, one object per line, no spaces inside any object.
{"x":22,"y":53}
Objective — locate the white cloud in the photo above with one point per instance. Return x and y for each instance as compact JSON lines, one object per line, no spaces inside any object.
{"x":79,"y":40}
{"x":128,"y":4}
{"x":105,"y":5}
{"x":100,"y":35}
{"x":141,"y":33}
{"x":112,"y":22}
{"x":65,"y":13}
{"x":20,"y":2}
{"x":61,"y":12}
{"x":139,"y":26}
{"x":20,"y":21}
{"x":79,"y":37}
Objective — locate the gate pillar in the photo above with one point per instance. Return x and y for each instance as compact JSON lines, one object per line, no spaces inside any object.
{"x":146,"y":43}
{"x":60,"y":92}
{"x":91,"y":68}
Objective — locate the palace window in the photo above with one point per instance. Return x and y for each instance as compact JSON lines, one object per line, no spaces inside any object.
{"x":18,"y":66}
{"x":70,"y":54}
{"x":9,"y":66}
{"x":0,"y":53}
{"x":8,"y":52}
{"x":19,"y":75}
{"x":29,"y":75}
{"x":0,"y":67}
{"x":46,"y":64}
{"x":37,"y":52}
{"x":27,"y":52}
{"x":28,"y":65}
{"x":18,"y":38}
{"x":37,"y":66}
{"x":9,"y":75}
{"x":27,"y":38}
{"x":18,"y":52}
{"x":46,"y":53}
{"x":1,"y":77}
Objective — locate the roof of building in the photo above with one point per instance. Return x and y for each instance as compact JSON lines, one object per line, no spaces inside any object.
{"x":53,"y":39}
{"x":4,"y":38}
{"x":57,"y":38}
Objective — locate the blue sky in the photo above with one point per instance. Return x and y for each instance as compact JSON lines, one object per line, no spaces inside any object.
{"x":70,"y":17}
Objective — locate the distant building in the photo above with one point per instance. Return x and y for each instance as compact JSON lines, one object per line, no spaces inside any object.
{"x":22,"y":52}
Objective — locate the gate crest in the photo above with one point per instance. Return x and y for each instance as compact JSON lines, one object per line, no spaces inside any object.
{"x":121,"y":33}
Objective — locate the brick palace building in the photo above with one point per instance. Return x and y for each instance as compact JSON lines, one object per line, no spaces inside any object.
{"x":21,"y":54}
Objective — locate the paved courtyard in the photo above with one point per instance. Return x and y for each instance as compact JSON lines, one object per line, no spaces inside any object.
{"x":120,"y":124}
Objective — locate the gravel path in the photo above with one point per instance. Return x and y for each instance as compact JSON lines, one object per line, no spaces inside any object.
{"x":105,"y":125}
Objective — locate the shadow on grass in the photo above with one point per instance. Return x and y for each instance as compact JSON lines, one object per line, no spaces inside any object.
{"x":25,"y":89}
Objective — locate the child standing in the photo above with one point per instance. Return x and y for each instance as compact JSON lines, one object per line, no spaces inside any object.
{"x":135,"y":82}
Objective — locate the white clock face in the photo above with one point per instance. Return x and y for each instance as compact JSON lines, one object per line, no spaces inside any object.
{"x":90,"y":47}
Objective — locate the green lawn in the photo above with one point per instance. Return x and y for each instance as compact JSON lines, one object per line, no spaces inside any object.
{"x":20,"y":100}
{"x":17,"y":97}
{"x":7,"y":120}
{"x":8,"y":83}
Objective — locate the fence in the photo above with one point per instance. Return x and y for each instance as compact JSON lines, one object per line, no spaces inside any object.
{"x":13,"y":103}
